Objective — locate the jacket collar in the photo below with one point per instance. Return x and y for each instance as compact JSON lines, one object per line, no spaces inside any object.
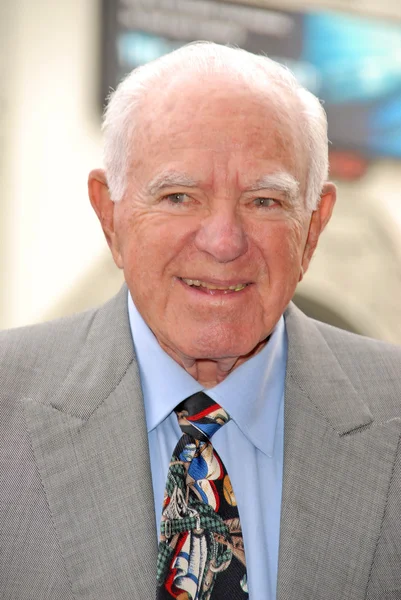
{"x":314,"y":370}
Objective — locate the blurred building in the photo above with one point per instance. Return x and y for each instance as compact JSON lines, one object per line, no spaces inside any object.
{"x":54,"y":260}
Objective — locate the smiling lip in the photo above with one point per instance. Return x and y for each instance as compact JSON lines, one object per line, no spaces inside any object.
{"x":215,"y":286}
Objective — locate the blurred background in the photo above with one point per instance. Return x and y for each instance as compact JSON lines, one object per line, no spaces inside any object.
{"x":59,"y":59}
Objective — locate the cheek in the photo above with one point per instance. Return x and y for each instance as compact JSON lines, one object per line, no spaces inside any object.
{"x":151,"y":247}
{"x":295,"y":243}
{"x":282,"y":246}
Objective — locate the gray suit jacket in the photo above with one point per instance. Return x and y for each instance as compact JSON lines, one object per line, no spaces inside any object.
{"x":76,"y":504}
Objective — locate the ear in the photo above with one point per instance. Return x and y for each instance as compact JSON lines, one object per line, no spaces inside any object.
{"x":319,"y":219}
{"x":103,"y":206}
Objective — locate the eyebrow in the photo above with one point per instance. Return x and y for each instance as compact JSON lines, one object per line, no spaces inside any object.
{"x":281,"y":182}
{"x":170,"y":179}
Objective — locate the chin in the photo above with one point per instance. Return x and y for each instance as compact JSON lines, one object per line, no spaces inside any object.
{"x":219,"y":341}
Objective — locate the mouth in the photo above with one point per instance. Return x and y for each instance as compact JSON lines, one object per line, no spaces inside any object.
{"x":214,"y":288}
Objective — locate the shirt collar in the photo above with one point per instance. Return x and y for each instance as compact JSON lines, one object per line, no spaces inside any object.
{"x":251,"y":394}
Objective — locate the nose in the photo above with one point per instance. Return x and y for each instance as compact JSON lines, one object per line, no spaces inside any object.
{"x":221,"y":235}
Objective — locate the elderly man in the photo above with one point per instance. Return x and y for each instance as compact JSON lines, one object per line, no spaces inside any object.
{"x":198,"y":437}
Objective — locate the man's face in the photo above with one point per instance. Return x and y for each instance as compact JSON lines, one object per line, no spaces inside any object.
{"x":211,"y":232}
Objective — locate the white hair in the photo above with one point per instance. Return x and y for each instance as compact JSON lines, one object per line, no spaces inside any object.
{"x":197,"y":58}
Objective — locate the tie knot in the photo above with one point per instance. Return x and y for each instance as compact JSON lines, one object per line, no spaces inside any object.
{"x":200,"y":416}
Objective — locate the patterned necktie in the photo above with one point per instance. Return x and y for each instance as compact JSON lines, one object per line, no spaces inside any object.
{"x":201,"y":551}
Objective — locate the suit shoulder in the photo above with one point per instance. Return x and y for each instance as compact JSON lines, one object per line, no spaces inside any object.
{"x":345,"y":343}
{"x":45,"y":335}
{"x":30,"y":355}
{"x":346,"y":346}
{"x":373,"y":367}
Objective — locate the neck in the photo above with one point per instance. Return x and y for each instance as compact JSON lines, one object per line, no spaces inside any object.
{"x":210,"y":372}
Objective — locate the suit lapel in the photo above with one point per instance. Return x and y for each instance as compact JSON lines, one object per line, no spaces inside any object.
{"x":337,"y":469}
{"x":91,"y":449}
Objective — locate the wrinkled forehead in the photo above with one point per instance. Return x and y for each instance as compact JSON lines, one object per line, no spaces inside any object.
{"x":220,"y":114}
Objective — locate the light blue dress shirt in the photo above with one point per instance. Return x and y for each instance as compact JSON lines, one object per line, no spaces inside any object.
{"x":250,"y":445}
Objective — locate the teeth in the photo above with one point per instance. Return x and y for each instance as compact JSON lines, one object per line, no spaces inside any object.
{"x":196,"y":282}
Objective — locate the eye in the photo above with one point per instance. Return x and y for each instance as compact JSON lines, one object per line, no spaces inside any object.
{"x":177,"y":198}
{"x":265,"y":202}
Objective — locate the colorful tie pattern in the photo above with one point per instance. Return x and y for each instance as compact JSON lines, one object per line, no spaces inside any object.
{"x":201,"y":551}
